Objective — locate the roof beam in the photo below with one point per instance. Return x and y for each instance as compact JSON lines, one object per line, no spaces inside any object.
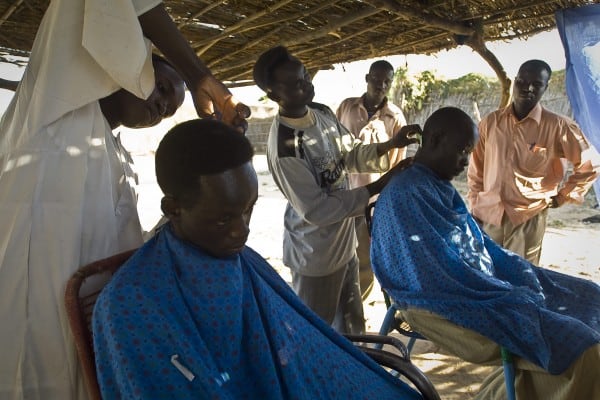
{"x":312,"y":65}
{"x":201,"y":12}
{"x":347,"y":37}
{"x":332,"y":26}
{"x":425,"y":18}
{"x":323,"y":31}
{"x":293,"y":17}
{"x":280,"y":24}
{"x":518,"y":36}
{"x":231,"y":29}
{"x":502,"y":14}
{"x":9,"y":11}
{"x":247,"y":46}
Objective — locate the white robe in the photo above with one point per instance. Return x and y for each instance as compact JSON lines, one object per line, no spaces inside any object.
{"x":66,"y":193}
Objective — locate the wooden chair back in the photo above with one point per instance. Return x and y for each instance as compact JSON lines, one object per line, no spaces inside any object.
{"x":80,"y":297}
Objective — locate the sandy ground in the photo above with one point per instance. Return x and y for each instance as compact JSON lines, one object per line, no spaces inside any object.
{"x":570,"y":246}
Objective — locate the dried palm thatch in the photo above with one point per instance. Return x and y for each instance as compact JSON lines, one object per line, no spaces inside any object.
{"x":229,"y":34}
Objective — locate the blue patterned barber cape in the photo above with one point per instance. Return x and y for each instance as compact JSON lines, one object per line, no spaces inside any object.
{"x":177,"y":323}
{"x":428,"y":252}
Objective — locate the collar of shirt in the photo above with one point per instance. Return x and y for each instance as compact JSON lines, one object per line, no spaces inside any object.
{"x":382,"y":110}
{"x":303,"y":122}
{"x":535,"y":113}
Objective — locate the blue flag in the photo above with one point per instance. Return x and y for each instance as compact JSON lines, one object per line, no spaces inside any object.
{"x":579,"y":30}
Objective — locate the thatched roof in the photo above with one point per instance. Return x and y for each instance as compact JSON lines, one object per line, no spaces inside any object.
{"x":229,"y":34}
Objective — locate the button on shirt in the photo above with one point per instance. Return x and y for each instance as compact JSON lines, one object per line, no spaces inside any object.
{"x":382,"y":125}
{"x":518,"y":166}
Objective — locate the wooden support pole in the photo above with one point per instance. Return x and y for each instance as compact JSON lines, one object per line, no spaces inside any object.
{"x":477,"y":43}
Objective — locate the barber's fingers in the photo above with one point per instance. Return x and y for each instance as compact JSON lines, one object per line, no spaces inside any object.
{"x":408,"y":134}
{"x":212,"y":99}
{"x":410,"y":130}
{"x":234,"y":113}
{"x":240,"y":121}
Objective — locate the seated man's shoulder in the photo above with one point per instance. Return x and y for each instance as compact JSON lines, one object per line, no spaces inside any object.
{"x":127,"y":279}
{"x":406,"y":181}
{"x":119,"y":283}
{"x":412,"y":183}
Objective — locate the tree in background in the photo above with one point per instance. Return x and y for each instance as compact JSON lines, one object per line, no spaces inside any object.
{"x":421,"y":94}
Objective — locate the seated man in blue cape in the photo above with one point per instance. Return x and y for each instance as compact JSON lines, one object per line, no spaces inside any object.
{"x":465,"y":293}
{"x":195,"y":314}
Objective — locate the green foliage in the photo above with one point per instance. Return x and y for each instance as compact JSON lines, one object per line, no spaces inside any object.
{"x":473,"y":85}
{"x":412,"y":93}
{"x":421,"y":94}
{"x":558,"y":77}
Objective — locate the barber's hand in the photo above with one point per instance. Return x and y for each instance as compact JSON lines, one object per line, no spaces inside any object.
{"x":554,"y":203}
{"x":212,"y":99}
{"x":377,"y":186}
{"x":407,"y":135}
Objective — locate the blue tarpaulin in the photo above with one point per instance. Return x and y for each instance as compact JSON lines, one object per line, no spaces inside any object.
{"x":579,"y":30}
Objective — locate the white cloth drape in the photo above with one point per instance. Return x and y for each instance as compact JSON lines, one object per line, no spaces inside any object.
{"x":66,"y":193}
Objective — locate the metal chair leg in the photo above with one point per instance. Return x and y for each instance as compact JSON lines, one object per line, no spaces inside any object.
{"x":509,"y":373}
{"x":386,"y":326}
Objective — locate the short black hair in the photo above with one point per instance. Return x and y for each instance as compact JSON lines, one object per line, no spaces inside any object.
{"x":536,"y":65}
{"x":195,"y":148}
{"x":446,"y":119}
{"x":266,"y":64}
{"x":381,"y":64}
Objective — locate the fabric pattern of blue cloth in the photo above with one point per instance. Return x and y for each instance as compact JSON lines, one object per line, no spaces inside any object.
{"x":428,"y":252}
{"x":579,"y":30}
{"x":175,"y":322}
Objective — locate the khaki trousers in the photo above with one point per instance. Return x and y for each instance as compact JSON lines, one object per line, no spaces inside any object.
{"x":580,"y":381}
{"x":524,"y":239}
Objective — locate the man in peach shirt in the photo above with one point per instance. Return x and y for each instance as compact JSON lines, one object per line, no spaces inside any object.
{"x":371,"y":118}
{"x":516,"y":170}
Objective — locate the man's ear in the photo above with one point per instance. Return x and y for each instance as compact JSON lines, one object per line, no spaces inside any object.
{"x":367,"y":78}
{"x":170,"y":207}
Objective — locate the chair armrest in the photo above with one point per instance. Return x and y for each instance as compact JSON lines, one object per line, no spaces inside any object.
{"x":397,"y":362}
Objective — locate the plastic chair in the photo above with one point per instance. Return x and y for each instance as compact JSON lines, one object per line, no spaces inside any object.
{"x":392,"y":321}
{"x":79,"y":302}
{"x":400,"y":363}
